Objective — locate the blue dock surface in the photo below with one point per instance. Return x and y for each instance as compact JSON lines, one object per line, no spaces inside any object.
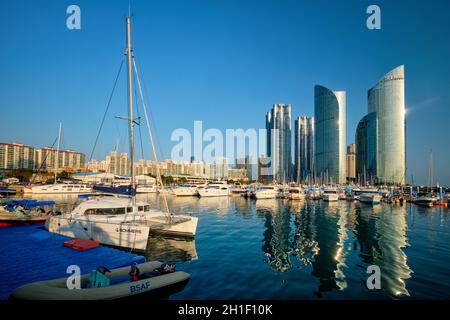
{"x":30,"y":253}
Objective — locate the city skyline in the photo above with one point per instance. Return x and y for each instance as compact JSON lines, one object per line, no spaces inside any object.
{"x":238,"y":75}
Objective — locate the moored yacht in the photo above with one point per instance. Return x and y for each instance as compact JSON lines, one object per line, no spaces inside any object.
{"x":370,"y":195}
{"x":427,"y":200}
{"x":268,"y":192}
{"x":146,"y":189}
{"x":313,"y":193}
{"x":58,"y":188}
{"x":296,"y":193}
{"x":215,"y":189}
{"x":185,"y":190}
{"x":120,"y":221}
{"x":123,"y":221}
{"x":330,"y":194}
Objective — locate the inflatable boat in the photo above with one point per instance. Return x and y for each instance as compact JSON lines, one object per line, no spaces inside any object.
{"x":120,"y":286}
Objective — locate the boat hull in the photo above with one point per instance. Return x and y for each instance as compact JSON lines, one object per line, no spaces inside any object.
{"x":124,"y":235}
{"x":57,"y":289}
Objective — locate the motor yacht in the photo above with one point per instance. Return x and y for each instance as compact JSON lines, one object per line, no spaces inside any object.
{"x":370,"y":196}
{"x":268,"y":192}
{"x":215,"y":189}
{"x":58,"y":188}
{"x":296,"y":193}
{"x":146,"y":189}
{"x":330,"y":194}
{"x":185,"y":190}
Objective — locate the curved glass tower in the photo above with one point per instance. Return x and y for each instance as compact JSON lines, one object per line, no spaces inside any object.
{"x":366,"y":148}
{"x":387,"y":99}
{"x":330,"y":135}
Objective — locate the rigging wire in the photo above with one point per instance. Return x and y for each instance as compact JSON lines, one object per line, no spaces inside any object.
{"x":152,"y":117}
{"x":144,"y":107}
{"x":104,"y":115}
{"x":43,"y":161}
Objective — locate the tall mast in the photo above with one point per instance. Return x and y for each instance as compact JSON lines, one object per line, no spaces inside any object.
{"x":57,"y":152}
{"x":430,"y":170}
{"x":130,"y":101}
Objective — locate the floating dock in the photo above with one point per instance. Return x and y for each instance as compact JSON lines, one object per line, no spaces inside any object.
{"x":30,"y":253}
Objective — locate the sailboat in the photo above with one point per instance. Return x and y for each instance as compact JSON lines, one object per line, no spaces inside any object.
{"x":58,"y":188}
{"x":121,"y":220}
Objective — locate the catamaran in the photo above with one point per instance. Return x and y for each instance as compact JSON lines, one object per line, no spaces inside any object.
{"x":121,"y":220}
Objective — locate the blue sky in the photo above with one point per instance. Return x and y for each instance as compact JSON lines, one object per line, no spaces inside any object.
{"x":222,"y":62}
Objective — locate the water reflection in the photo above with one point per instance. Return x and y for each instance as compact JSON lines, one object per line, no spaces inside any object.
{"x":276,"y":244}
{"x":391,"y":236}
{"x":170,"y":250}
{"x":328,"y":245}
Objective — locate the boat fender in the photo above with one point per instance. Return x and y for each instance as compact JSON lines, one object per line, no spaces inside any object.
{"x":134,"y":272}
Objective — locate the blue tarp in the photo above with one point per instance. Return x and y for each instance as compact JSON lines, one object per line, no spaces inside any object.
{"x":125,"y":190}
{"x":30,"y":253}
{"x":26,"y":203}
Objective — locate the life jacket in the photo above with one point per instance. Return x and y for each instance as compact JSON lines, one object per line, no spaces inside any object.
{"x":134,"y":273}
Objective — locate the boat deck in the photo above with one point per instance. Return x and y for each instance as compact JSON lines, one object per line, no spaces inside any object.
{"x":30,"y":253}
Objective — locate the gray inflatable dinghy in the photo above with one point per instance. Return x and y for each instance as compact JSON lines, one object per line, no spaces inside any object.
{"x":57,"y":289}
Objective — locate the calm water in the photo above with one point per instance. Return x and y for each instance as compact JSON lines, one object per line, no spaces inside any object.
{"x":280,"y":249}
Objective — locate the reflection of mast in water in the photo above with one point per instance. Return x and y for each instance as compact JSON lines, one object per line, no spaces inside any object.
{"x":276,"y":235}
{"x":391,"y":232}
{"x":340,"y":252}
{"x":325,"y":264}
{"x":304,"y":240}
{"x":365,"y":231}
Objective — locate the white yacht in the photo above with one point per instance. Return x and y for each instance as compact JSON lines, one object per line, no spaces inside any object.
{"x":58,"y":188}
{"x":120,"y":221}
{"x":185,"y":190}
{"x":146,"y":189}
{"x":215,"y":189}
{"x":314,"y":193}
{"x":267,"y":192}
{"x":330,"y":194}
{"x":370,"y":195}
{"x":426,"y":200}
{"x":296,"y":193}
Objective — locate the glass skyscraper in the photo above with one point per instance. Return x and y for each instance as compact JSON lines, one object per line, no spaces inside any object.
{"x":304,"y":149}
{"x":366,"y":148}
{"x":330,"y":135}
{"x":387,"y":100}
{"x":279,"y":130}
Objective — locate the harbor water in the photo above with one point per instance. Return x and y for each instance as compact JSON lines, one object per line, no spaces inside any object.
{"x":282,"y":249}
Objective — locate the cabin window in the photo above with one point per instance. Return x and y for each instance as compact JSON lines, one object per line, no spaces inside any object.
{"x":129,"y":209}
{"x":105,"y":211}
{"x":141,"y":208}
{"x":147,"y":208}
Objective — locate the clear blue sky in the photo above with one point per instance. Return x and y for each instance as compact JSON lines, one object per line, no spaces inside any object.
{"x":224,"y":62}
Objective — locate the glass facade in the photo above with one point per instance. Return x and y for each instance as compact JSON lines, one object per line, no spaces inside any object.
{"x":387,"y":100}
{"x":366,"y":148}
{"x":304,"y":148}
{"x":279,"y":130}
{"x":330,"y":135}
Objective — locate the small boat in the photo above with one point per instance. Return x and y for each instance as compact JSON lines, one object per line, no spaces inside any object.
{"x":23,"y":212}
{"x":146,"y":189}
{"x":120,"y":285}
{"x":369,"y":195}
{"x":427,"y":200}
{"x":58,"y":188}
{"x":215,"y":189}
{"x":185,"y":190}
{"x":330,"y":194}
{"x":268,"y":192}
{"x":296,"y":193}
{"x":314,"y":193}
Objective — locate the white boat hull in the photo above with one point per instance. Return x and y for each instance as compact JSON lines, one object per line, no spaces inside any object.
{"x":330,"y":197}
{"x":370,"y":199}
{"x":57,"y":189}
{"x":213,"y":193}
{"x":124,"y":235}
{"x":185,"y":192}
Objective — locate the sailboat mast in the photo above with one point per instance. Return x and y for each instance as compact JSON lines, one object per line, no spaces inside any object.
{"x":57,"y":152}
{"x":130,"y":101}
